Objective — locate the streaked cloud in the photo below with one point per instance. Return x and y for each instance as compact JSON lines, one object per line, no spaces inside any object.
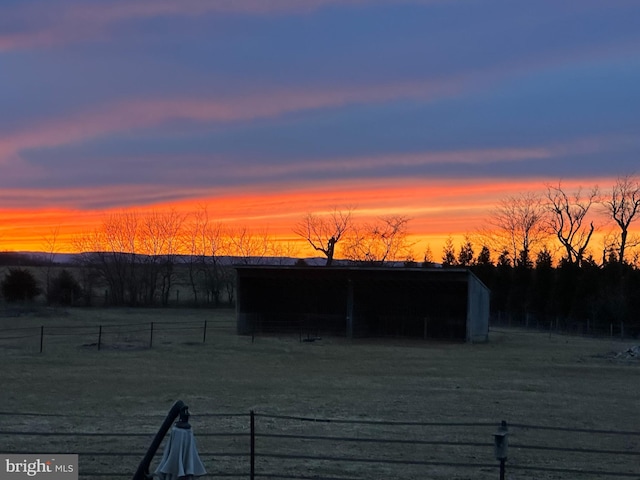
{"x":61,"y":22}
{"x":138,"y":114}
{"x":264,"y":109}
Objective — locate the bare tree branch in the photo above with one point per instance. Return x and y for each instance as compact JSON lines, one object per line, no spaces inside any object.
{"x":323,"y":232}
{"x":623,"y":206}
{"x":567,"y":220}
{"x":382,"y":241}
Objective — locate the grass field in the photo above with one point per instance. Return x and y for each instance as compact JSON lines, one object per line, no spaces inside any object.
{"x":525,"y":378}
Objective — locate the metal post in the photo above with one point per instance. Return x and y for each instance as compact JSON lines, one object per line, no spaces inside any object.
{"x":204,"y":332}
{"x":41,"y":337}
{"x":501,"y":439}
{"x":99,"y":337}
{"x":151,"y":336}
{"x":252,"y":459}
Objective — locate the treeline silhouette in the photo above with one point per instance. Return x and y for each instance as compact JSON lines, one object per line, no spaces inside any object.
{"x":589,"y":299}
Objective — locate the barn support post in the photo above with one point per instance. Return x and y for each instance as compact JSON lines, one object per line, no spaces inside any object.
{"x":349,"y":309}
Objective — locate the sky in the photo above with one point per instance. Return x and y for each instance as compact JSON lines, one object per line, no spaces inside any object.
{"x":266,"y":110}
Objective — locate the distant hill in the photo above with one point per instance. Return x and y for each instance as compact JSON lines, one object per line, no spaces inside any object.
{"x":42,"y":258}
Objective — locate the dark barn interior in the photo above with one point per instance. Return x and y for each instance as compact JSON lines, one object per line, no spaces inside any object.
{"x":362,"y":302}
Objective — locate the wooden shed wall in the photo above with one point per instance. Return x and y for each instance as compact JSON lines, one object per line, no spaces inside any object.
{"x":363,"y":302}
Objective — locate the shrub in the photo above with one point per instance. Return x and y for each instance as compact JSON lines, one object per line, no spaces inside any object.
{"x":64,"y":289}
{"x":19,"y":285}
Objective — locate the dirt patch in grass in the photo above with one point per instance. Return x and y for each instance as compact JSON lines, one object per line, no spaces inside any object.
{"x":525,"y":378}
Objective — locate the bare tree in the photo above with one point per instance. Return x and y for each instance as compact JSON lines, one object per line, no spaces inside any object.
{"x":89,"y":245}
{"x":323,"y":232}
{"x":517,"y":226}
{"x":115,"y":256}
{"x":206,"y":243}
{"x":51,"y":248}
{"x":568,"y":220}
{"x":217,"y":275}
{"x":193,"y":242}
{"x":384,"y":240}
{"x":623,"y":206}
{"x":282,"y":252}
{"x":159,"y":244}
{"x":251,"y":247}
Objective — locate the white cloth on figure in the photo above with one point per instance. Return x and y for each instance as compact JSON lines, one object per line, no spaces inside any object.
{"x":180,"y":459}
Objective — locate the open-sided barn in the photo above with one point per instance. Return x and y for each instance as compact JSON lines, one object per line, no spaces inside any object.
{"x":447,"y":303}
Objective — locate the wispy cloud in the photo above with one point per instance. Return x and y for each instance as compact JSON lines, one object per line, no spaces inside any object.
{"x":138,"y":114}
{"x":187,"y":178}
{"x":132,"y":114}
{"x":48,"y":24}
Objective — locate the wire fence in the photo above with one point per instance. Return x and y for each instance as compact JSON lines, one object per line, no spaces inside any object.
{"x":261,"y":445}
{"x":581,"y":327}
{"x":112,"y":336}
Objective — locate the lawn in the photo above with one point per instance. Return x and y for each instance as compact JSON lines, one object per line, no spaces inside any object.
{"x":526,"y":378}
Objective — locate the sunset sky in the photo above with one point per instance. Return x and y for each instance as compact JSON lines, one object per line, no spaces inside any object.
{"x":265,"y":110}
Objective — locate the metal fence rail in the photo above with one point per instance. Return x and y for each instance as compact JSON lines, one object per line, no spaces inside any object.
{"x":263,"y":447}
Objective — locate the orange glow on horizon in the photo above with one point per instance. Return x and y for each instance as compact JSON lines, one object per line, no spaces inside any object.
{"x":438,"y":209}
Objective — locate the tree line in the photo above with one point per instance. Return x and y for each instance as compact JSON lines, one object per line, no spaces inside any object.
{"x":535,"y":250}
{"x":545,"y":271}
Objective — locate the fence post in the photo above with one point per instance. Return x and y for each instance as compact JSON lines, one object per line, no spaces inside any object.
{"x":204,"y":332}
{"x":99,"y":337}
{"x":41,"y":337}
{"x":252,"y":458}
{"x":151,"y":336}
{"x":501,"y":440}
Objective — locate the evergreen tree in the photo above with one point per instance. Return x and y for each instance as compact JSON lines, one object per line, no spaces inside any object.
{"x":64,"y":289}
{"x":484,"y":257}
{"x":465,"y":257}
{"x":448,"y":253}
{"x":19,"y":285}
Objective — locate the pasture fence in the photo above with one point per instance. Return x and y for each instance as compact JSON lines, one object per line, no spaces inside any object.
{"x":580,"y":327}
{"x":111,"y":336}
{"x":276,"y":446}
